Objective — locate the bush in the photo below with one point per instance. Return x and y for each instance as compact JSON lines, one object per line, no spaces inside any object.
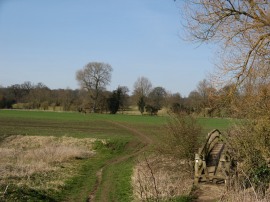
{"x":249,"y":144}
{"x":181,"y":139}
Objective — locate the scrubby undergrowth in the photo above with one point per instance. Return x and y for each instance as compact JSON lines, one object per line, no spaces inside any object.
{"x":159,"y":178}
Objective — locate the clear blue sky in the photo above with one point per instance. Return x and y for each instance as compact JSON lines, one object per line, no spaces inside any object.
{"x":49,"y":40}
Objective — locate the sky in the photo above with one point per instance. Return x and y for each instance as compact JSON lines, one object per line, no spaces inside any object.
{"x":48,"y":41}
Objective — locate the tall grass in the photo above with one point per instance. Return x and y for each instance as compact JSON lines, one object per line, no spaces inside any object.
{"x":236,"y":193}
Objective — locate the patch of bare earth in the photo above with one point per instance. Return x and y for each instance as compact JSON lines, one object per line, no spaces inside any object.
{"x":209,"y":192}
{"x":41,"y":162}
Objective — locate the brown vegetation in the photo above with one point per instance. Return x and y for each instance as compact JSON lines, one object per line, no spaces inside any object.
{"x":249,"y":145}
{"x":25,"y":159}
{"x":168,"y":173}
{"x":159,"y":177}
{"x":181,"y":138}
{"x":237,"y":194}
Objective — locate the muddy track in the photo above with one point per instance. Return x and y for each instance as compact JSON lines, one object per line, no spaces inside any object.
{"x":144,"y":139}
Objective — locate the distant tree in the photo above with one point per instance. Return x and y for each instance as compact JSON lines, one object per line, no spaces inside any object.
{"x":20,"y":92}
{"x":175,"y":102}
{"x":226,"y":101}
{"x":156,"y":100}
{"x":66,"y":98}
{"x":114,"y":101}
{"x":194,"y":101}
{"x":16,"y":91}
{"x":157,"y":97}
{"x":2,"y":97}
{"x":117,"y":99}
{"x":203,"y":90}
{"x":102,"y":102}
{"x":208,"y":97}
{"x":150,"y":109}
{"x":26,"y":88}
{"x":38,"y":95}
{"x":124,"y":97}
{"x":141,"y":104}
{"x":142,"y":88}
{"x":94,"y":77}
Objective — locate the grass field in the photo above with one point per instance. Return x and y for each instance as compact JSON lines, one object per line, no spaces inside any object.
{"x":122,"y":133}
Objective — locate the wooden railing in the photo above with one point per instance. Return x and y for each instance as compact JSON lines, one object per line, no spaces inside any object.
{"x":204,"y":169}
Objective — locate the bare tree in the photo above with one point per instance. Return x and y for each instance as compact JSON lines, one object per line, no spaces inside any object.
{"x":242,"y":28}
{"x":194,"y":101}
{"x":39,"y":96}
{"x":142,"y":88}
{"x":94,"y":77}
{"x":208,"y":96}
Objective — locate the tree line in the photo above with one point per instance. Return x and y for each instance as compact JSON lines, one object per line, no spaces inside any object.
{"x":205,"y":100}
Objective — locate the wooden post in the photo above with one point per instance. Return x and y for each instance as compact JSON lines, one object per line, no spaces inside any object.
{"x":196,"y":174}
{"x":206,"y":174}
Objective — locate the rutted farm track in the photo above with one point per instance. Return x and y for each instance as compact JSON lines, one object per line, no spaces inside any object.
{"x":136,"y":147}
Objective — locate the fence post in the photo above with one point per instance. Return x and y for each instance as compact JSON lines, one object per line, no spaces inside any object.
{"x":196,"y":174}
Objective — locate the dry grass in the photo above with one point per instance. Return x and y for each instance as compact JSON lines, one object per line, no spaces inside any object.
{"x":156,"y":178}
{"x":247,"y":195}
{"x":25,"y":157}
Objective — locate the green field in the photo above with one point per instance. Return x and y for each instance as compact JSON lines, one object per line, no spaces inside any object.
{"x":126,"y":135}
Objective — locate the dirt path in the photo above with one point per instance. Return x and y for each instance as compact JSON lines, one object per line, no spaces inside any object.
{"x":209,"y":192}
{"x":144,"y":139}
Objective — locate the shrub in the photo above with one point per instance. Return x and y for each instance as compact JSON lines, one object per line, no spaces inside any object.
{"x":181,"y":139}
{"x":249,"y":144}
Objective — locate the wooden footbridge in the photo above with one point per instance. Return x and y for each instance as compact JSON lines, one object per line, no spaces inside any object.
{"x":213,"y":162}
